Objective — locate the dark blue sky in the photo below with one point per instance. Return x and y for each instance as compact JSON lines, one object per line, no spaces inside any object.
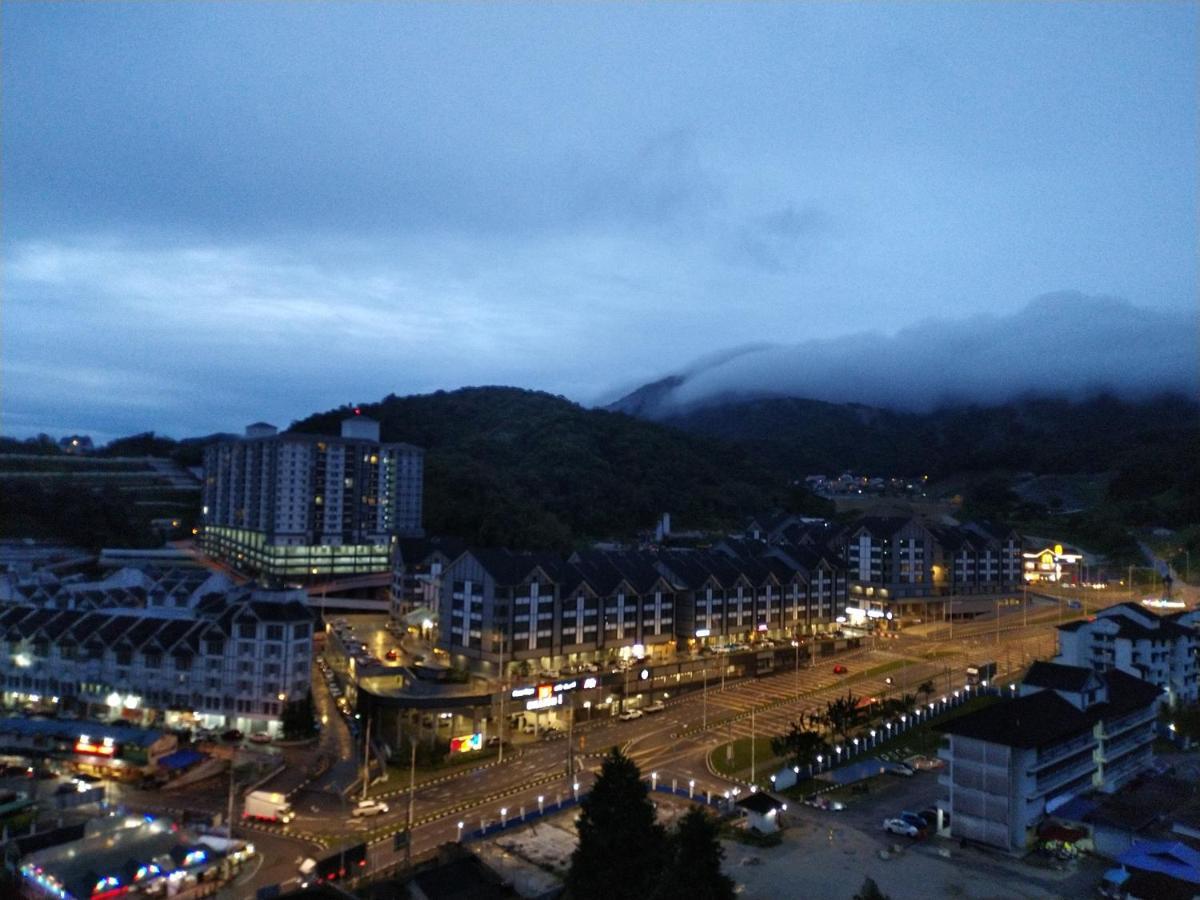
{"x":216,"y":213}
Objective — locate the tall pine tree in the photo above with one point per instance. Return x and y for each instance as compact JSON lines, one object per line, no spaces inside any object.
{"x":694,"y":867}
{"x":622,"y":848}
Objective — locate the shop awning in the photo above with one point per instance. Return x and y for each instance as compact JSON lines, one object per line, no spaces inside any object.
{"x":181,"y":759}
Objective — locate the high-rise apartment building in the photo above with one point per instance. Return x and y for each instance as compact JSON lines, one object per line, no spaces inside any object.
{"x":295,"y":507}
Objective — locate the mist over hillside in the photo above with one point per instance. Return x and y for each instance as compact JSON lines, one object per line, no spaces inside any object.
{"x":1065,"y":345}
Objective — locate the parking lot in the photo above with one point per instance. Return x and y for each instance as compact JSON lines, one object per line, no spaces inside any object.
{"x":828,"y":854}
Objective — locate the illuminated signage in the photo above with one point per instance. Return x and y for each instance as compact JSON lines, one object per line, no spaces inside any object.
{"x":855,"y":611}
{"x":645,"y":673}
{"x":86,"y":745}
{"x":542,"y":691}
{"x":544,"y":702}
{"x":703,"y":632}
{"x":467,"y":743}
{"x":874,"y":613}
{"x":762,"y":626}
{"x":589,"y":683}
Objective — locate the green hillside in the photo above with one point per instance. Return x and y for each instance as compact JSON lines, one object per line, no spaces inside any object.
{"x":521,"y":468}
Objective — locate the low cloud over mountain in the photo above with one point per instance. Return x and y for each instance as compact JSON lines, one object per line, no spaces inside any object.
{"x":1065,"y":344}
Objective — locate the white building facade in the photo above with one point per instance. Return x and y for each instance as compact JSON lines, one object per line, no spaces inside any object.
{"x":1070,"y":732}
{"x":1159,"y":649}
{"x":176,"y":648}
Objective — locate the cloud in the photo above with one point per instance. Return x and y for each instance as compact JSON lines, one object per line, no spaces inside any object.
{"x":1064,"y":344}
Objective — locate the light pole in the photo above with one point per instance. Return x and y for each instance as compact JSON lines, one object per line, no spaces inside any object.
{"x":460,"y":828}
{"x":796,"y":644}
{"x":503,"y":691}
{"x":704,"y":721}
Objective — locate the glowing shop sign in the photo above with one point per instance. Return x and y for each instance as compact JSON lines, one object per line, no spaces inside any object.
{"x":467,"y":743}
{"x":87,"y":745}
{"x":544,"y":702}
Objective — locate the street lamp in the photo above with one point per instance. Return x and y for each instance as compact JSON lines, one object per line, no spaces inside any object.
{"x":575,"y":789}
{"x":820,"y":759}
{"x":654,"y":781}
{"x":541,"y":805}
{"x":872,"y":737}
{"x":503,"y":816}
{"x":460,"y":828}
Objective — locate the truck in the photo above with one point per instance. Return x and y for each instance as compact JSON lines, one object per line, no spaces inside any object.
{"x":981,"y":674}
{"x":267,"y":806}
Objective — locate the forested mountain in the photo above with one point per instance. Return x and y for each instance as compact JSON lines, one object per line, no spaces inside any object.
{"x":526,"y":469}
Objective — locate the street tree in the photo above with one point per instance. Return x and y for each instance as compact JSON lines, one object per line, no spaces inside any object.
{"x":799,"y":746}
{"x":842,"y":713}
{"x":297,"y":718}
{"x":693,"y":868}
{"x":870,"y":891}
{"x":926,"y":689}
{"x":617,"y":834}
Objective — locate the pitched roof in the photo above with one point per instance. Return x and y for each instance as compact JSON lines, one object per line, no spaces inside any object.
{"x":1058,"y":677}
{"x":1031,"y":721}
{"x":760,"y":802}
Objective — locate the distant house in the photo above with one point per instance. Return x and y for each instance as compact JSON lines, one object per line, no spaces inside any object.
{"x":1162,"y":650}
{"x":76,"y":443}
{"x":762,"y":811}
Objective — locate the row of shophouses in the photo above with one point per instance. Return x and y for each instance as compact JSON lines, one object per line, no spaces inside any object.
{"x":784,"y":578}
{"x":179,"y":647}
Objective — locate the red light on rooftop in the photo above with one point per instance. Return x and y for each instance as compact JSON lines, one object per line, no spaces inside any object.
{"x":358,"y":411}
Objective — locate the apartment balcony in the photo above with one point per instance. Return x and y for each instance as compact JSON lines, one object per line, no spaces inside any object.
{"x":1084,"y":766}
{"x":1115,"y":727}
{"x":1060,"y":752}
{"x":1114,"y":751}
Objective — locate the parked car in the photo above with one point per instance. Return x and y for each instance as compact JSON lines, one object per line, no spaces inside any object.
{"x":901,"y":769}
{"x":839,"y":669}
{"x":392,"y":655}
{"x":232,"y":736}
{"x":899,"y":826}
{"x":630,"y":714}
{"x":260,"y":737}
{"x":819,"y":801}
{"x":655,"y":707}
{"x":914,"y":819}
{"x":369,"y":808}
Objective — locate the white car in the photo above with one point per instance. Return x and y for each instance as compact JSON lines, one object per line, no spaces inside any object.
{"x":899,"y":826}
{"x":630,"y":714}
{"x":657,"y":706}
{"x":369,"y":808}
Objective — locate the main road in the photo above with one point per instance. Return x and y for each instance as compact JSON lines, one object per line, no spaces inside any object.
{"x":675,"y":743}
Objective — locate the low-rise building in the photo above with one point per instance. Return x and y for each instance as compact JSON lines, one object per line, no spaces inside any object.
{"x":1163,"y":650}
{"x":1070,"y":731}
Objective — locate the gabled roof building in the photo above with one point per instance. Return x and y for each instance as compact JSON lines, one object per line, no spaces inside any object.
{"x":1070,"y":731}
{"x":184,"y":644}
{"x":1162,"y":650}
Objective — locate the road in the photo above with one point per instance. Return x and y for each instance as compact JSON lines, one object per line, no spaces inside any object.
{"x":674,"y":743}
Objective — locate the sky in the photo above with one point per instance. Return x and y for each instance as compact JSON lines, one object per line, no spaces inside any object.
{"x":219,"y":213}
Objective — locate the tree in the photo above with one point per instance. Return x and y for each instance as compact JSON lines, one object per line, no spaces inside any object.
{"x":297,"y":718}
{"x":799,"y":746}
{"x":870,"y":891}
{"x":617,"y":834}
{"x":693,"y":868}
{"x":842,"y":714}
{"x":926,"y":689}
